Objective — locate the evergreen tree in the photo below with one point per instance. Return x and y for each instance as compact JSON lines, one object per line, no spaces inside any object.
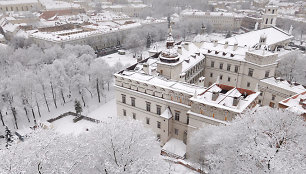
{"x":77,"y":107}
{"x":8,"y":137}
{"x":149,"y":40}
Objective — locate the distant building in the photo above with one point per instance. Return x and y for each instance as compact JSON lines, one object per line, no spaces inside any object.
{"x":260,"y":3}
{"x":224,"y":21}
{"x":20,"y":5}
{"x":132,"y":9}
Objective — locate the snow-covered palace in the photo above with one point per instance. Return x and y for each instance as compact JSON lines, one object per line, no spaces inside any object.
{"x":191,"y":84}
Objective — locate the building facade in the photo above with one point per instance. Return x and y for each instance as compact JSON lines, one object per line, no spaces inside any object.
{"x":20,"y":5}
{"x":160,"y":91}
{"x":223,"y":21}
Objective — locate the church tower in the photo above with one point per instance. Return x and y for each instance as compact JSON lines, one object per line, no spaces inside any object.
{"x":270,"y":16}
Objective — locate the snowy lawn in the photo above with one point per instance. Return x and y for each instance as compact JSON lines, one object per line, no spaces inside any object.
{"x":66,"y":125}
{"x":114,"y":58}
{"x":180,"y":169}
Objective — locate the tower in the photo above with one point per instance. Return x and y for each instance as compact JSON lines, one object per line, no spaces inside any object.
{"x":270,"y":16}
{"x":169,"y":64}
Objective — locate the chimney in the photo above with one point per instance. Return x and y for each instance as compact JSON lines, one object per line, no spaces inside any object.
{"x":186,"y":46}
{"x":179,"y":49}
{"x":215,"y":95}
{"x":215,"y":43}
{"x":301,"y":101}
{"x":235,"y":101}
{"x":235,"y":46}
{"x":226,"y":45}
{"x":146,"y":68}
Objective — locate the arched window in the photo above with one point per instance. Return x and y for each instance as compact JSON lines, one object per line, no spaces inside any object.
{"x":266,"y":21}
{"x":271,"y":21}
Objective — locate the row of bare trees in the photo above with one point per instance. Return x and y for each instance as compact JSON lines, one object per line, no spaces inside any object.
{"x":34,"y":80}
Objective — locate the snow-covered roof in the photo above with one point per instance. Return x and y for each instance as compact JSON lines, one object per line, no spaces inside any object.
{"x":175,"y":146}
{"x":167,"y":113}
{"x":277,"y":82}
{"x":296,"y":103}
{"x":162,"y":82}
{"x":249,"y":39}
{"x":223,"y":96}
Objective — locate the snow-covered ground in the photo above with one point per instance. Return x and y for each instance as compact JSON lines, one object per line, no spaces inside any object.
{"x":114,"y":58}
{"x":67,"y":126}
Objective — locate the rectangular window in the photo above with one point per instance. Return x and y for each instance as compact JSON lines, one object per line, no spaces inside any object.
{"x":123,"y":98}
{"x":211,"y":74}
{"x":158,"y":137}
{"x":148,"y":106}
{"x":236,"y":68}
{"x":134,"y":116}
{"x":124,"y":112}
{"x":158,"y":124}
{"x":273,"y":97}
{"x":177,"y":115}
{"x":221,"y":66}
{"x":228,"y":79}
{"x":248,"y":84}
{"x":250,"y":72}
{"x":228,"y":67}
{"x":221,"y":77}
{"x":148,"y":120}
{"x":176,"y":131}
{"x":267,"y":74}
{"x":132,"y":101}
{"x":212,"y":63}
{"x":158,"y":109}
{"x":187,"y":119}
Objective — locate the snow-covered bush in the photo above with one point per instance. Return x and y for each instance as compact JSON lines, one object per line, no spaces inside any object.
{"x":114,"y":147}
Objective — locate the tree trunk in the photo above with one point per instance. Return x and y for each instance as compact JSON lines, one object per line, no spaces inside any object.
{"x":45,"y":98}
{"x":15,"y":116}
{"x":38,"y":109}
{"x":63,"y":97}
{"x":83,"y":100}
{"x":53,"y":95}
{"x":98,"y":91}
{"x":34,"y":116}
{"x":26,"y":111}
{"x":103,"y":84}
{"x":108,"y":86}
{"x":1,"y":117}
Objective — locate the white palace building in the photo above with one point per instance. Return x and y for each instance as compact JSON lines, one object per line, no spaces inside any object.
{"x":191,"y":84}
